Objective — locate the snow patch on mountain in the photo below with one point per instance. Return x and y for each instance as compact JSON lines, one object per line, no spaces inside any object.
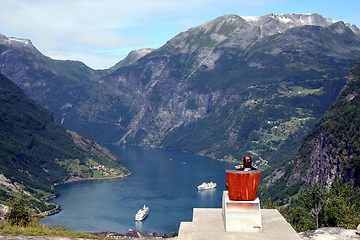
{"x":291,"y":20}
{"x":295,"y":20}
{"x":250,"y":19}
{"x":19,"y":40}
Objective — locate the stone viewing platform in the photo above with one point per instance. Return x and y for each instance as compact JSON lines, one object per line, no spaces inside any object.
{"x":208,"y":224}
{"x":240,"y":216}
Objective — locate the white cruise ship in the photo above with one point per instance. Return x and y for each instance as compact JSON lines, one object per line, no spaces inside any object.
{"x":142,"y":213}
{"x":205,"y":186}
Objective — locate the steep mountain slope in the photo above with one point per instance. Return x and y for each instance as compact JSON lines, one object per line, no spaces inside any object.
{"x":332,"y":149}
{"x":36,"y":153}
{"x":55,"y":84}
{"x":330,"y":152}
{"x":232,"y":86}
{"x":226,"y":88}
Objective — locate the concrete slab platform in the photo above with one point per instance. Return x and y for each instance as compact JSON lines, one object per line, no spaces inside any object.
{"x":208,"y":224}
{"x":186,"y":230}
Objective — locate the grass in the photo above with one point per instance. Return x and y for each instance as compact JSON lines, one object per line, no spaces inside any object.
{"x":97,"y":174}
{"x":37,"y":229}
{"x":300,"y":91}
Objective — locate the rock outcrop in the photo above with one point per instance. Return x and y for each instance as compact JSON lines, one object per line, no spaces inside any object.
{"x":334,"y":233}
{"x":4,"y":210}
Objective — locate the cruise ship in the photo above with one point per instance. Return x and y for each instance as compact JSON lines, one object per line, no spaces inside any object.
{"x":142,"y":213}
{"x":205,"y":186}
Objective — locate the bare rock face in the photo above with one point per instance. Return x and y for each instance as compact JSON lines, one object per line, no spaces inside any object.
{"x":3,"y":211}
{"x":10,"y":185}
{"x":332,"y":233}
{"x":330,"y":150}
{"x":324,"y":167}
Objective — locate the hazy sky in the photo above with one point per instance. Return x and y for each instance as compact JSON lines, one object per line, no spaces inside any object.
{"x":102,"y":32}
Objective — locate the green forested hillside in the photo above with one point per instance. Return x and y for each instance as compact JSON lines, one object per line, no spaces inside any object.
{"x":329,"y":153}
{"x":342,"y":126}
{"x":320,"y":186}
{"x":336,"y":138}
{"x":35,"y":152}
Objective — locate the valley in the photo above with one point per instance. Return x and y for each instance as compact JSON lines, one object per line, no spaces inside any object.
{"x":226,"y":88}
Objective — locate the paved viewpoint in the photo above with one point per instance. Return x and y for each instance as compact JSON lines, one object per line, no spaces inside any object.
{"x":208,"y":224}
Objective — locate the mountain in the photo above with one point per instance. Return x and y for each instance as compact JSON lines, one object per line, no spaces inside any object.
{"x":132,"y":57}
{"x":330,"y":151}
{"x":37,"y":153}
{"x":55,"y":84}
{"x":231,"y":86}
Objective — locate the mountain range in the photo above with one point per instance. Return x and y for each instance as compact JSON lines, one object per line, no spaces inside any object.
{"x":229,"y":87}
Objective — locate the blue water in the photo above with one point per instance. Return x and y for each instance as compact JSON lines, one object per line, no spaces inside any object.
{"x":166,"y":181}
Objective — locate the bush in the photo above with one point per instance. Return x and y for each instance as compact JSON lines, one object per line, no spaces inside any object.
{"x":317,"y":207}
{"x":18,"y":215}
{"x":300,"y":219}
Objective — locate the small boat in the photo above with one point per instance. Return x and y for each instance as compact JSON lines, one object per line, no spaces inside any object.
{"x":142,"y":213}
{"x":206,"y":185}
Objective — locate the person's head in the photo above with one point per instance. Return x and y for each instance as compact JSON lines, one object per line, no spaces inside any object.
{"x":247,"y":161}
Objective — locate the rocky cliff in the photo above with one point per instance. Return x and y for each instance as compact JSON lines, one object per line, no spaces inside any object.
{"x":330,"y":152}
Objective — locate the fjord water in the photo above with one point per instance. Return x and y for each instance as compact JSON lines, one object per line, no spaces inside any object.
{"x":166,"y":181}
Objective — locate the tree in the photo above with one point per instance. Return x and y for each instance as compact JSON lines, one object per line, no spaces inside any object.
{"x":313,"y":200}
{"x":299,"y":218}
{"x":343,"y":207}
{"x":18,"y":215}
{"x":317,"y":206}
{"x":268,"y":204}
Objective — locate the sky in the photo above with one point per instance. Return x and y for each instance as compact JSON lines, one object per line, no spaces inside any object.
{"x":100,"y":33}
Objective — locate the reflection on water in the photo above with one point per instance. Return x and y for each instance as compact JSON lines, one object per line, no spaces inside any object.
{"x":206,"y":195}
{"x":139,"y":226}
{"x":209,"y":193}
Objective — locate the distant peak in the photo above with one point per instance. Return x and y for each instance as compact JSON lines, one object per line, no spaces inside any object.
{"x":230,"y":18}
{"x":341,"y":28}
{"x":143,"y":51}
{"x":132,"y":57}
{"x":16,"y":41}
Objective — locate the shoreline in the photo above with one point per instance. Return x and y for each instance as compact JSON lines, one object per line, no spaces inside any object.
{"x":79,"y":179}
{"x":130,"y":234}
{"x":58,"y":208}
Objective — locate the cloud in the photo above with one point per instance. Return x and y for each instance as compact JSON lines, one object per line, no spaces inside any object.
{"x":60,"y":27}
{"x":89,"y":29}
